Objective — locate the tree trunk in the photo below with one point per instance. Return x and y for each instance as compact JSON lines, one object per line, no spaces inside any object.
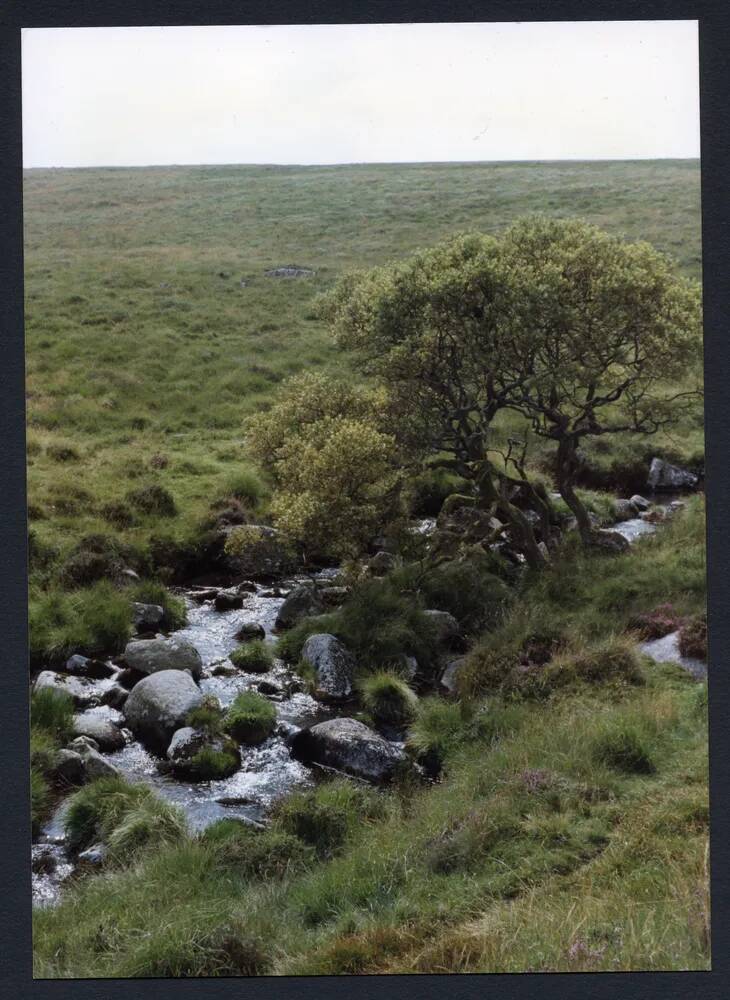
{"x":567,"y":465}
{"x":521,"y":528}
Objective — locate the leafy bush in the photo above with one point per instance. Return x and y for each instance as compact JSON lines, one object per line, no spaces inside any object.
{"x":250,"y":719}
{"x":473,"y":594}
{"x":388,"y":699}
{"x":254,"y":657}
{"x":325,"y":817}
{"x":52,"y":712}
{"x":153,"y":592}
{"x":152,"y":499}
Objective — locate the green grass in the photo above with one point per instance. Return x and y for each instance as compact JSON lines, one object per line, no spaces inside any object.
{"x":251,"y":718}
{"x":143,"y":361}
{"x":388,"y":699}
{"x":255,"y":656}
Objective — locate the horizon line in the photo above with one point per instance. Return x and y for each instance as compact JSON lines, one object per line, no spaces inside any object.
{"x":367,"y":163}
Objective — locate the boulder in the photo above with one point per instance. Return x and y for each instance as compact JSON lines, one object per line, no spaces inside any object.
{"x":201,"y":596}
{"x":333,"y":597}
{"x":115,"y":696}
{"x":382,"y":563}
{"x":249,"y":631}
{"x":147,"y":617}
{"x":609,"y":541}
{"x":97,"y":766}
{"x":228,"y":600}
{"x":68,"y":767}
{"x":94,"y":855}
{"x":302,"y":602}
{"x":99,"y":728}
{"x":263,"y":555}
{"x":83,"y":690}
{"x":449,"y":678}
{"x":625,"y":510}
{"x":666,"y":477}
{"x":82,"y":743}
{"x":148,"y":656}
{"x":187,"y":742}
{"x":334,"y":666}
{"x":269,"y":688}
{"x":350,"y":746}
{"x":83,"y":666}
{"x":448,"y":630}
{"x":159,"y":705}
{"x":639,"y":502}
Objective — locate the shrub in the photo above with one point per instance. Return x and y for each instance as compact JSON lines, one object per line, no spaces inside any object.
{"x":254,"y":657}
{"x":622,"y":744}
{"x":53,"y":713}
{"x":693,"y":638}
{"x":152,"y":499}
{"x":429,"y":490}
{"x":153,"y":592}
{"x":615,"y":660}
{"x":245,"y":485}
{"x":251,"y":718}
{"x":254,"y":853}
{"x":469,"y":591}
{"x":655,"y":624}
{"x":388,"y":699}
{"x":325,"y":817}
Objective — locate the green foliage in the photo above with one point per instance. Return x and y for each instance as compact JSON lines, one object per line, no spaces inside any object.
{"x":438,"y":727}
{"x":388,"y":699}
{"x":335,"y":468}
{"x":254,"y":853}
{"x":40,"y":795}
{"x":254,"y":657}
{"x":52,"y":712}
{"x":428,"y":490}
{"x":208,"y":716}
{"x":623,"y":745}
{"x":211,"y":764}
{"x":91,"y":621}
{"x":328,"y":816}
{"x":469,"y":590}
{"x":289,"y":644}
{"x":126,"y":817}
{"x":251,"y":718}
{"x":154,"y":592}
{"x":245,"y":485}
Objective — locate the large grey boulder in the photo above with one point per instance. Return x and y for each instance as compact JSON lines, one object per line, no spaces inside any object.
{"x":187,"y":742}
{"x":68,"y":767}
{"x":350,"y":746}
{"x":159,"y":704}
{"x":639,"y":502}
{"x":250,"y":631}
{"x":82,"y":690}
{"x":609,"y":541}
{"x":148,"y":656}
{"x":147,"y":617}
{"x":666,"y":477}
{"x":100,"y":728}
{"x":97,"y":766}
{"x":450,"y":676}
{"x":334,"y":666}
{"x":447,"y":629}
{"x":625,"y":510}
{"x":302,"y":602}
{"x":83,"y":666}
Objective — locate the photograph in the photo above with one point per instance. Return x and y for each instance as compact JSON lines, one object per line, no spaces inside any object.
{"x":364,"y":434}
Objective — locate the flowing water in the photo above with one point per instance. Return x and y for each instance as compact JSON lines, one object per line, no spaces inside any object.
{"x":267,"y":771}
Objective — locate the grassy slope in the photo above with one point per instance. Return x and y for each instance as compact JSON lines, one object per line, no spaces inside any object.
{"x":537,"y":851}
{"x":136,"y":345}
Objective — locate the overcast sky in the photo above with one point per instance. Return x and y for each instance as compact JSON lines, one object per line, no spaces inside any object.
{"x":358,"y":93}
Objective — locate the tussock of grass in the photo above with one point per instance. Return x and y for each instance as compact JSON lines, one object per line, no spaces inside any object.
{"x":254,"y":657}
{"x":52,"y":712}
{"x":327,"y":816}
{"x":250,"y":719}
{"x":92,"y":621}
{"x":388,"y":699}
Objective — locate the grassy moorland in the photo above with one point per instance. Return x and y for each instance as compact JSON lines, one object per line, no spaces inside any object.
{"x":568,"y":832}
{"x":568,"y":828}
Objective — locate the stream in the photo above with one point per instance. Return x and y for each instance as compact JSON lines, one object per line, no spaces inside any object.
{"x":267,"y":771}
